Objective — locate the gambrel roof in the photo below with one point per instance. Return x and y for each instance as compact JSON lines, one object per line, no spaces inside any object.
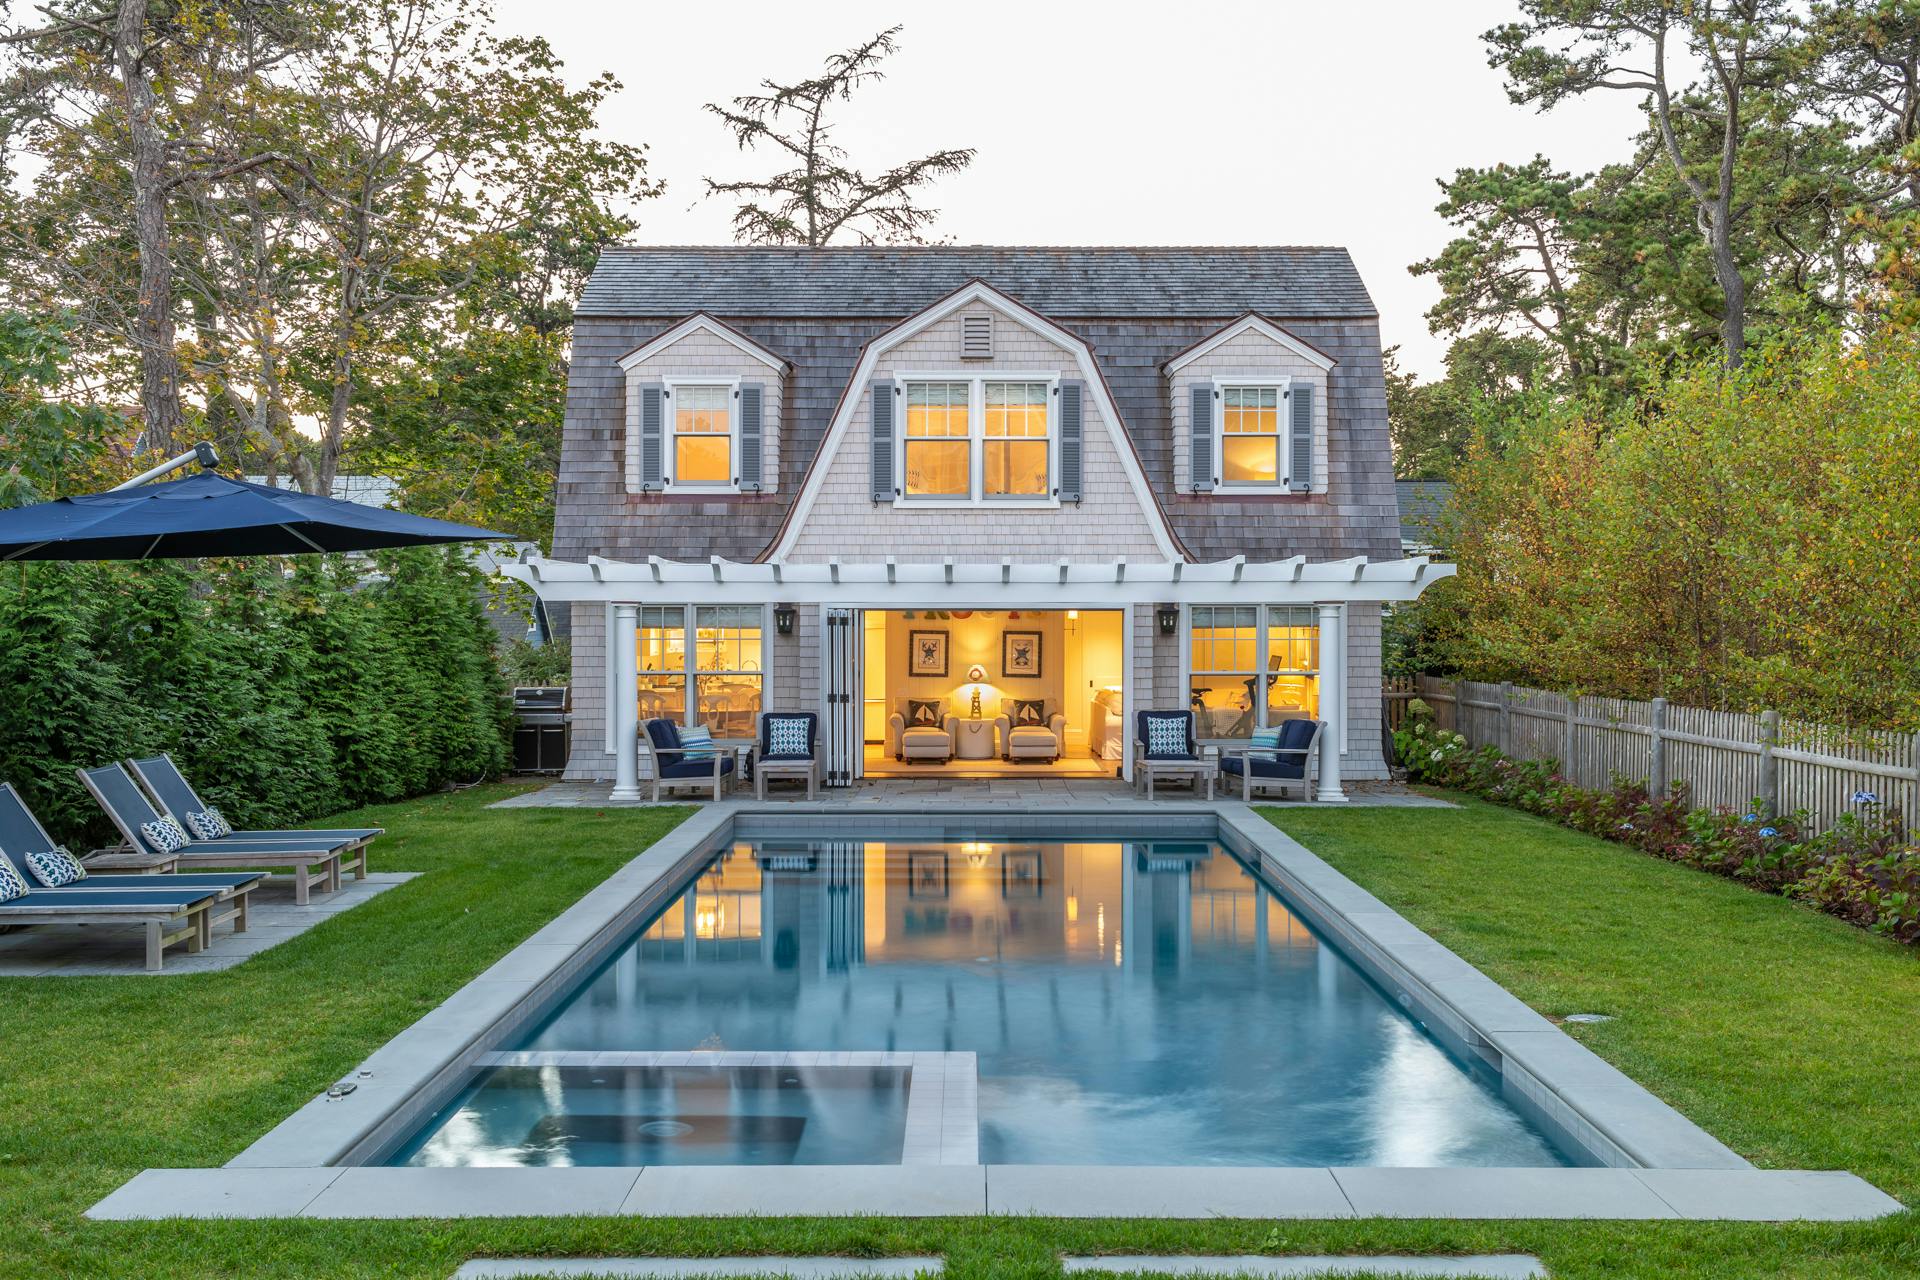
{"x":873,"y":280}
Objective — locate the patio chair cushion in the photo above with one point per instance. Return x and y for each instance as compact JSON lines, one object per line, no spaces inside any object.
{"x":697,"y":743}
{"x":56,"y":867}
{"x":207,"y":824}
{"x":665,"y":736}
{"x":1261,"y":740}
{"x":1167,"y":734}
{"x":164,"y":834}
{"x":787,"y":737}
{"x":12,"y":883}
{"x":696,"y":768}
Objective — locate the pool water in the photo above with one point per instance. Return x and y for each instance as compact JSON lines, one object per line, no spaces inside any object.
{"x":1122,"y":1002}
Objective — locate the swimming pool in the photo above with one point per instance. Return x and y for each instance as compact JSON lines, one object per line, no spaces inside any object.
{"x":977,"y":997}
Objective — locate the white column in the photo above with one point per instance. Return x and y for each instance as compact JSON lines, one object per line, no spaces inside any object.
{"x":1333,"y":684}
{"x":625,"y":699}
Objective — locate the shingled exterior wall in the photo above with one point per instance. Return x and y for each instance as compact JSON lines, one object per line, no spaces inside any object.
{"x":1250,"y":356}
{"x":703,"y":354}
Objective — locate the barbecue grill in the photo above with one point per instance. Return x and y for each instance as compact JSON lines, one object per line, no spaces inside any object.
{"x":540,"y":719}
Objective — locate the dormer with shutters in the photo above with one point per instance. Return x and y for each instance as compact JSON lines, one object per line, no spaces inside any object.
{"x":702,"y":412}
{"x":978,"y":428}
{"x":1249,"y":413}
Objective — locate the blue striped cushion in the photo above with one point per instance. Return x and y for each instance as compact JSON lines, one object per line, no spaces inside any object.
{"x":1264,"y":742}
{"x":698,"y":742}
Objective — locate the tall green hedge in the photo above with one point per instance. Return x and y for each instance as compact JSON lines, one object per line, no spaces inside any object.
{"x":284,"y":689}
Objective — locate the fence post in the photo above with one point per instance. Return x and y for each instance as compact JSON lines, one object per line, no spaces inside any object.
{"x":1506,"y":717}
{"x":1572,"y":704}
{"x":1769,"y":764}
{"x":1913,"y":796}
{"x":1459,"y":706}
{"x":1657,"y":751}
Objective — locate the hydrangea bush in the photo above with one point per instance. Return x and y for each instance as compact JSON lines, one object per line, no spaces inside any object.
{"x":1865,"y":868}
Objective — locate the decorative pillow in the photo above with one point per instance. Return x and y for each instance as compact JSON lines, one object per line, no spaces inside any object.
{"x":698,"y":742}
{"x":56,"y":867}
{"x":1264,"y":743}
{"x":208,"y":824}
{"x":164,"y":835}
{"x":1166,"y":736}
{"x":787,"y":736}
{"x":1029,"y":711}
{"x":12,"y":883}
{"x":923,"y":713}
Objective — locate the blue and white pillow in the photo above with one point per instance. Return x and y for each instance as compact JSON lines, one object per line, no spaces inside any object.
{"x":1166,"y":735}
{"x":1264,"y":744}
{"x":698,"y":742}
{"x":164,"y":835}
{"x":787,"y":736}
{"x":208,"y":824}
{"x":12,"y":883}
{"x":56,"y":867}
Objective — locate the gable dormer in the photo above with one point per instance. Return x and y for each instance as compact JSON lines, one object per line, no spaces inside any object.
{"x":1248,"y":409}
{"x":702,"y":412}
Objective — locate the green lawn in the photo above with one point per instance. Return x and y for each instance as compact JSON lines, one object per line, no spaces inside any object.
{"x":1787,"y":1034}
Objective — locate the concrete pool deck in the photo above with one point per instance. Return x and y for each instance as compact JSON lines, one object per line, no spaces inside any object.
{"x":1658,"y":1165}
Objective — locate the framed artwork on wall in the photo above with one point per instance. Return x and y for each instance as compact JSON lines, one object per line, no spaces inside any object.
{"x":1020,"y":876}
{"x":1020,"y":655}
{"x":926,"y":873}
{"x":926,"y":653}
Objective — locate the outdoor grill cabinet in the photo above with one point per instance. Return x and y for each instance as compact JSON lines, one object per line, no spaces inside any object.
{"x":540,"y":718}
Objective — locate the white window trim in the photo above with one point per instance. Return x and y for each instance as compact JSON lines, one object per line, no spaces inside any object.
{"x":1263,"y":619}
{"x":977,"y":380}
{"x":690,"y":658}
{"x":670,"y":454}
{"x":1281,"y":382}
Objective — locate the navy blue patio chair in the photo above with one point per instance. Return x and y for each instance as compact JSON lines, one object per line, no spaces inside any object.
{"x":660,"y":738}
{"x":1164,"y":745}
{"x":787,"y":748}
{"x":1287,"y":767}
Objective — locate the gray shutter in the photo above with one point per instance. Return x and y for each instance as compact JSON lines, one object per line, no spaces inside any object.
{"x":880,"y":450}
{"x":1300,"y":442}
{"x":752,"y":397}
{"x":1200,"y":431}
{"x":1071,"y":432}
{"x":652,"y":428}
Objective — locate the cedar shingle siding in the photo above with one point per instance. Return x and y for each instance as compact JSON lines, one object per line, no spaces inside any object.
{"x":1137,"y":308}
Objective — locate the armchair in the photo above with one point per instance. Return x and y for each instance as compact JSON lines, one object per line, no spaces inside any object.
{"x":1284,"y":768}
{"x":920,"y":741}
{"x":1032,"y":741}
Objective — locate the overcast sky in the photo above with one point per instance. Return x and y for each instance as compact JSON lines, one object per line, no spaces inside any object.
{"x":1124,"y":123}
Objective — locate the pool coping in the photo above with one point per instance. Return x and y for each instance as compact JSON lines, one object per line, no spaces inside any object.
{"x":1661,"y":1165}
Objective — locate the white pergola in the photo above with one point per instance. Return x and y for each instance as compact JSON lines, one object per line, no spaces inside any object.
{"x":888,"y":583}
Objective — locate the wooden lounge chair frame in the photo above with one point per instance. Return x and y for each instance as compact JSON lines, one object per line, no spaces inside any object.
{"x":165,"y":923}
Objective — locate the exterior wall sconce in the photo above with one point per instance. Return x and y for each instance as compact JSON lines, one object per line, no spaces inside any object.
{"x":783,"y":616}
{"x":1169,"y":616}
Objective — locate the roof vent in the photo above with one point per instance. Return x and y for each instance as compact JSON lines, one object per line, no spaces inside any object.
{"x":976,"y":336}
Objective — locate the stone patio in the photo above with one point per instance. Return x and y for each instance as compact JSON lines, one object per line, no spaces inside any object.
{"x":75,"y":951}
{"x":1010,"y":793}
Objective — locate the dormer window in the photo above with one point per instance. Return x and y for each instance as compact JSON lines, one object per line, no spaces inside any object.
{"x":976,"y":440}
{"x":938,"y":452}
{"x":702,"y":417}
{"x":1251,"y":436}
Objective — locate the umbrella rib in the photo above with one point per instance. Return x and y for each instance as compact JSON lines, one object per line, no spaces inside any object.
{"x":24,"y":551}
{"x":303,"y":537}
{"x":151,"y":546}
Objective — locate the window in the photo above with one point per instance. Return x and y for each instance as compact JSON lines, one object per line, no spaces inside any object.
{"x":1016,"y":440}
{"x":1250,"y":436}
{"x":728,"y":668}
{"x":1234,"y":649}
{"x":939,"y":445}
{"x":703,"y":436}
{"x":722,"y":657}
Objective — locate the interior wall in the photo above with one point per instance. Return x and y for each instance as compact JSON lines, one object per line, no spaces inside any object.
{"x":976,"y":639}
{"x":1103,"y":668}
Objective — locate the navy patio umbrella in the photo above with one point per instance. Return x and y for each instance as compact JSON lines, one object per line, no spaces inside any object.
{"x":209,"y":515}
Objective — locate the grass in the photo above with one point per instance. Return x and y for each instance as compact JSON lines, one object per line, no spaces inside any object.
{"x":1785,"y":1033}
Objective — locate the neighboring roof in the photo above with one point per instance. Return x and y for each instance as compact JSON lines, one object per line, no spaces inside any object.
{"x":1421,"y":504}
{"x":698,"y":322}
{"x":893,"y":281}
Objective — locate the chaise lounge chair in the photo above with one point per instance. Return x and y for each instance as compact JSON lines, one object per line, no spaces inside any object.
{"x":123,"y":801}
{"x":174,"y":796}
{"x":168,"y":914}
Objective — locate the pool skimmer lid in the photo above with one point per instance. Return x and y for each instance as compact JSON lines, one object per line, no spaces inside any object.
{"x":1588,"y":1017}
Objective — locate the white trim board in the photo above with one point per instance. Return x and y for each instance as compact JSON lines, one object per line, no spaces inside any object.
{"x":699,"y":322}
{"x":1250,"y":324}
{"x":976,"y":293}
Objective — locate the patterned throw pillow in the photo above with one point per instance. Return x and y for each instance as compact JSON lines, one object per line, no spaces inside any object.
{"x":787,"y":736}
{"x":1028,"y":711}
{"x":208,"y":824}
{"x":164,"y":835}
{"x":56,"y":867}
{"x":12,"y":883}
{"x":923,"y":714}
{"x":1166,"y":736}
{"x":698,"y":742}
{"x":1264,"y":743}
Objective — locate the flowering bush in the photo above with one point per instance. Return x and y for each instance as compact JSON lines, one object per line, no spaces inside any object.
{"x":1424,"y":748}
{"x":1864,"y":869}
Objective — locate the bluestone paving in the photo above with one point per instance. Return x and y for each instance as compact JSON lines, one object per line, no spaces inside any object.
{"x":1100,"y":1191}
{"x":1492,"y":1266}
{"x":1500,"y":1193}
{"x":472,"y":1193}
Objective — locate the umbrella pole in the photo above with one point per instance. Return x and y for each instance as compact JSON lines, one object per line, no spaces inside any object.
{"x":202,"y":451}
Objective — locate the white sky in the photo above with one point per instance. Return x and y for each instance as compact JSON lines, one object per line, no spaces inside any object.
{"x":1175,"y":123}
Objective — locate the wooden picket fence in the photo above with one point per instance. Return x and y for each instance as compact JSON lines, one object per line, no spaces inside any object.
{"x":1727,"y":759}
